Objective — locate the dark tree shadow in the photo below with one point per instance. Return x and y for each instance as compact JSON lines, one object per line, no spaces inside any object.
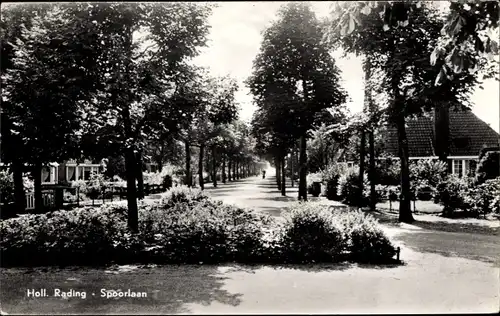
{"x":391,"y":219}
{"x":468,"y":246}
{"x":169,"y":289}
{"x":276,"y":198}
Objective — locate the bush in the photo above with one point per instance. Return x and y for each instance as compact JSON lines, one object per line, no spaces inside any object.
{"x":349,"y":188}
{"x":185,"y":226}
{"x":6,"y":187}
{"x":485,"y":198}
{"x":387,"y":172}
{"x":488,"y":166}
{"x":310,"y":235}
{"x":313,"y":232}
{"x":432,"y":172}
{"x":452,"y":194}
{"x":331,"y":176}
{"x":310,"y":180}
{"x":82,"y":236}
{"x":366,"y":241}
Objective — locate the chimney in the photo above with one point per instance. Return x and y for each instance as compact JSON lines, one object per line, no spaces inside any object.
{"x":442,"y":131}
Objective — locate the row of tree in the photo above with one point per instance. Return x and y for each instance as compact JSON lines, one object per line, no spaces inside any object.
{"x":96,"y":80}
{"x":295,"y":84}
{"x":417,"y":58}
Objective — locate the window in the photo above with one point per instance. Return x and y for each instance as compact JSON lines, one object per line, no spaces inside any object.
{"x":472,"y":164}
{"x":87,"y":171}
{"x":70,"y":173}
{"x":79,"y":171}
{"x":458,"y":167}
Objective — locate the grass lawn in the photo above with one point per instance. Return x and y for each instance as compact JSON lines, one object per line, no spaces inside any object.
{"x":428,"y":207}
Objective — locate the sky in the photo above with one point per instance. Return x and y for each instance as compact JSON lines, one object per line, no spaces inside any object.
{"x":235,"y":39}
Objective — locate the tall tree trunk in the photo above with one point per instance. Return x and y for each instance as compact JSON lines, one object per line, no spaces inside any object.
{"x":223,"y":169}
{"x":160,"y":165}
{"x":159,"y":158}
{"x":292,"y":157}
{"x":37,"y":182}
{"x":19,"y":194}
{"x":235,"y":175}
{"x":229,"y":165}
{"x":130,"y":171}
{"x":442,"y":131}
{"x":278,"y":172}
{"x":189,"y":178}
{"x":405,"y":214}
{"x":214,"y":168}
{"x":373,"y":192}
{"x":303,"y":169}
{"x":362,"y":154}
{"x":140,"y":176}
{"x":130,"y":163}
{"x":200,"y":167}
{"x":283,"y":177}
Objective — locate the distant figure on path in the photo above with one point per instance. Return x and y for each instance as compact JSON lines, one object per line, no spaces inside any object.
{"x":263,"y":174}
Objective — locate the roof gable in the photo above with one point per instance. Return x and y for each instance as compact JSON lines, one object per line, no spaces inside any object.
{"x":468,"y":135}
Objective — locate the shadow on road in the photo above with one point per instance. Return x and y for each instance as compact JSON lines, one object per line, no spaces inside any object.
{"x":168,"y":288}
{"x":276,"y":198}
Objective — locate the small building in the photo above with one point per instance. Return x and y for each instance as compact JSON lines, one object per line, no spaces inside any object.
{"x":468,"y":135}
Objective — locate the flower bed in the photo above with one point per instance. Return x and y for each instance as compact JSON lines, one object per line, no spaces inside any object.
{"x":186,"y":226}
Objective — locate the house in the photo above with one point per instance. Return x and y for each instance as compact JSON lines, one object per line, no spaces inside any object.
{"x":71,"y":170}
{"x":468,"y":134}
{"x":67,"y":171}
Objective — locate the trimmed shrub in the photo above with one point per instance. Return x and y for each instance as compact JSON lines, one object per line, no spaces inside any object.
{"x":485,"y":198}
{"x":451,"y":193}
{"x":185,"y":226}
{"x":310,"y":234}
{"x":349,"y":188}
{"x":82,"y":236}
{"x":331,"y":176}
{"x":366,"y":241}
{"x":488,"y":166}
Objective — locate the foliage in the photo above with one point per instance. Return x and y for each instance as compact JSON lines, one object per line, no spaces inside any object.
{"x":311,"y":235}
{"x":429,"y":171}
{"x":462,"y":47}
{"x":366,"y":241}
{"x":185,"y":226}
{"x":294,"y":81}
{"x":314,"y":177}
{"x":331,"y":176}
{"x":81,"y":236}
{"x":488,"y":166}
{"x":452,"y":194}
{"x":348,"y":189}
{"x":6,"y":186}
{"x":323,"y":146}
{"x":401,"y":56}
{"x":388,"y":172}
{"x":485,"y":197}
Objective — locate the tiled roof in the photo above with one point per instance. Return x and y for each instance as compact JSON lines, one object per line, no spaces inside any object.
{"x":468,"y":135}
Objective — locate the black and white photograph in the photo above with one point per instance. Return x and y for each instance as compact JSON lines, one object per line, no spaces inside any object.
{"x":250,"y":157}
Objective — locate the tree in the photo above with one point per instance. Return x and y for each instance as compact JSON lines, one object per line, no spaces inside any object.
{"x":48,"y":73}
{"x":217,"y":108}
{"x":408,"y":75}
{"x":139,"y":73}
{"x":468,"y":35}
{"x":294,"y":68}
